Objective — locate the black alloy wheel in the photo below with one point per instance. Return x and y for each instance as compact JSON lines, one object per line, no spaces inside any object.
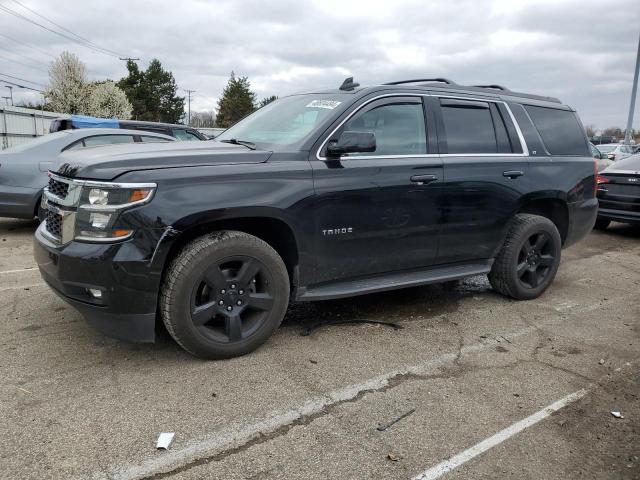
{"x":232,"y":299}
{"x":535,"y":260}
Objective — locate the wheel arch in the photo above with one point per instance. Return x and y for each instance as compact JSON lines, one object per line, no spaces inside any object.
{"x":552,"y":206}
{"x":273,"y":229}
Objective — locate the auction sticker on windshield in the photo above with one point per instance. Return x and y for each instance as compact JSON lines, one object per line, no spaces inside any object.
{"x":330,"y":104}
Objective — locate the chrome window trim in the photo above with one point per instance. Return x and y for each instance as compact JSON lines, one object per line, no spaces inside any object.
{"x":523,"y":143}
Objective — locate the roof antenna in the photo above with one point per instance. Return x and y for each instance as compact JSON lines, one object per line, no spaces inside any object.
{"x":348,"y":84}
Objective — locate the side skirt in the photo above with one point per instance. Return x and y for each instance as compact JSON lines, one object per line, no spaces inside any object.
{"x":392,"y":281}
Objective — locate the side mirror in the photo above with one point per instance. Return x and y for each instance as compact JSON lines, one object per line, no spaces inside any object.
{"x":352,"y":142}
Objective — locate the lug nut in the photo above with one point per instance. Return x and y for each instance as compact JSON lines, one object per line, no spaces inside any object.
{"x":223,"y":291}
{"x":240,"y":292}
{"x":229,"y":308}
{"x":221,"y":302}
{"x":233,"y":285}
{"x":239,"y":302}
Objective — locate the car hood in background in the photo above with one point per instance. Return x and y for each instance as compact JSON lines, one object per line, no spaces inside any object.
{"x":107,"y":163}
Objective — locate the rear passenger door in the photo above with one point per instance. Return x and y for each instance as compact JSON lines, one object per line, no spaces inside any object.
{"x":485,"y":175}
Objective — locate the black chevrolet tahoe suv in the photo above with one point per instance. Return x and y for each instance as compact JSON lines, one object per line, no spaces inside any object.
{"x":317,"y":196}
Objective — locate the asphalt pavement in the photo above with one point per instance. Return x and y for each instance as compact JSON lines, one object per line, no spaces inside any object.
{"x":448,"y":381}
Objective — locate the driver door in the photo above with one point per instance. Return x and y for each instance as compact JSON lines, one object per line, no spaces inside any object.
{"x":377,"y":212}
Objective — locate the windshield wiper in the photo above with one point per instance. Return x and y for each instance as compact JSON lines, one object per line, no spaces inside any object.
{"x":234,"y":141}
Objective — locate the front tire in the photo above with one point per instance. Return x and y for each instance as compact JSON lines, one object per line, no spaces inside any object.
{"x":529,"y":259}
{"x":224,"y":294}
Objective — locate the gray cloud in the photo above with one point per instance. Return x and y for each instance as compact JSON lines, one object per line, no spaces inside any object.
{"x":578,"y":50}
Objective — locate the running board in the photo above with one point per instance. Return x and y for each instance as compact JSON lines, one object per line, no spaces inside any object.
{"x":392,"y":281}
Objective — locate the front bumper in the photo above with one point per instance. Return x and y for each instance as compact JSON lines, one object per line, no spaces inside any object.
{"x":120,"y":271}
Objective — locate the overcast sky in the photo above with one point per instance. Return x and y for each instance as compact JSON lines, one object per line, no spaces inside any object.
{"x":582,"y":51}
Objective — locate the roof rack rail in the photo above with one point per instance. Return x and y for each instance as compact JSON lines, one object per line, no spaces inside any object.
{"x":494,"y":86}
{"x":348,"y":84}
{"x":440,"y":79}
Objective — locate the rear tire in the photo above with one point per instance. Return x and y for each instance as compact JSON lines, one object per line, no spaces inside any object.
{"x":224,"y":294}
{"x":529,"y":258}
{"x":602,"y":224}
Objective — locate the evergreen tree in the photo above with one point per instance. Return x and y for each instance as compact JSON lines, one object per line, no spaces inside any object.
{"x":267,"y":101}
{"x":152,"y":93}
{"x":237,"y":101}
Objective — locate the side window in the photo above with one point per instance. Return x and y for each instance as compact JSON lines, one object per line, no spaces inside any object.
{"x":107,"y":140}
{"x":560,"y":130}
{"x":150,"y":139}
{"x":469,"y":127}
{"x":78,"y":144}
{"x":184,"y":135}
{"x":399,"y":129}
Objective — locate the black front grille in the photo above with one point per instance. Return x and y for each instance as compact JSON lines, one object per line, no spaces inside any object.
{"x":59,"y":189}
{"x":54,"y":224}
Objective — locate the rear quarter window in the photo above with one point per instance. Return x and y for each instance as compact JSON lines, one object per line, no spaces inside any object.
{"x":560,"y":130}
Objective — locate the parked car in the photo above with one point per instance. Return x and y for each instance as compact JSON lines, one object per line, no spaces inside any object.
{"x":616,"y":151}
{"x":602,"y":139}
{"x":179,"y":132}
{"x":317,"y":196}
{"x":601,"y":158}
{"x":619,"y":193}
{"x":23,"y":168}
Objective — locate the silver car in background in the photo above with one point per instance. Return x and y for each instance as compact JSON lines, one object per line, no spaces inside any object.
{"x":616,"y":151}
{"x":23,"y":168}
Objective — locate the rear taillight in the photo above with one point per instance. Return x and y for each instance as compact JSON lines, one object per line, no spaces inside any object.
{"x":611,"y":156}
{"x":600,"y":179}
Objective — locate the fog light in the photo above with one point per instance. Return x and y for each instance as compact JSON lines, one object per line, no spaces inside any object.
{"x":95,"y":292}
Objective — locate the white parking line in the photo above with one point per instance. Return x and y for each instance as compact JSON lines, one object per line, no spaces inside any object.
{"x":240,"y":433}
{"x":454,"y":462}
{"x":19,"y":270}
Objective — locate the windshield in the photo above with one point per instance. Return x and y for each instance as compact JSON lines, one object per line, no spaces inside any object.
{"x":606,"y":148}
{"x":285,"y":122}
{"x":36,"y":142}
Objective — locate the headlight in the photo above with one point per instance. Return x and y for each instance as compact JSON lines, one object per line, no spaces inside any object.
{"x":100,"y":206}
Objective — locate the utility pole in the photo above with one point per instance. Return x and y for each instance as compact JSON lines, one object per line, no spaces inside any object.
{"x":6,"y":100}
{"x":10,"y":93}
{"x":632,"y":105}
{"x":189,"y":92}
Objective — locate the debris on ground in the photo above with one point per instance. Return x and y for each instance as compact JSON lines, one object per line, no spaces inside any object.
{"x":617,"y":414}
{"x":307,"y":331}
{"x":313,"y":361}
{"x":164,"y":440}
{"x":383,"y":427}
{"x":394,"y":457}
{"x":601,"y":362}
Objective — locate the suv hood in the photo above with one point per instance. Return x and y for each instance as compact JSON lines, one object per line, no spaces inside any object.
{"x":109,"y":162}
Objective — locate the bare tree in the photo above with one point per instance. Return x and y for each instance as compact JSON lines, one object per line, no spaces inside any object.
{"x":591,"y":130}
{"x":203,"y":119}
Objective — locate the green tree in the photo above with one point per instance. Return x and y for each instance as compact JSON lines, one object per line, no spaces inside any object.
{"x":237,"y":101}
{"x":152,"y":93}
{"x":267,"y":101}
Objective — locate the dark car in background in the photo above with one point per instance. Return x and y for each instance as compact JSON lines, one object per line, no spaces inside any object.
{"x":179,"y":132}
{"x":619,"y":193}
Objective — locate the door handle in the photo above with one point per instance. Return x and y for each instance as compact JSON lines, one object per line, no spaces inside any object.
{"x":423,"y":179}
{"x":513,"y":173}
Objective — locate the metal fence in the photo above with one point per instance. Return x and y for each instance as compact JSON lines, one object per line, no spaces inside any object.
{"x":19,"y":125}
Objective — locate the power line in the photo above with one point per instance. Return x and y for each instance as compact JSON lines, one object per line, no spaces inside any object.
{"x":27,"y":45}
{"x":84,"y":43}
{"x":20,"y":63}
{"x":21,"y":79}
{"x":20,"y":86}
